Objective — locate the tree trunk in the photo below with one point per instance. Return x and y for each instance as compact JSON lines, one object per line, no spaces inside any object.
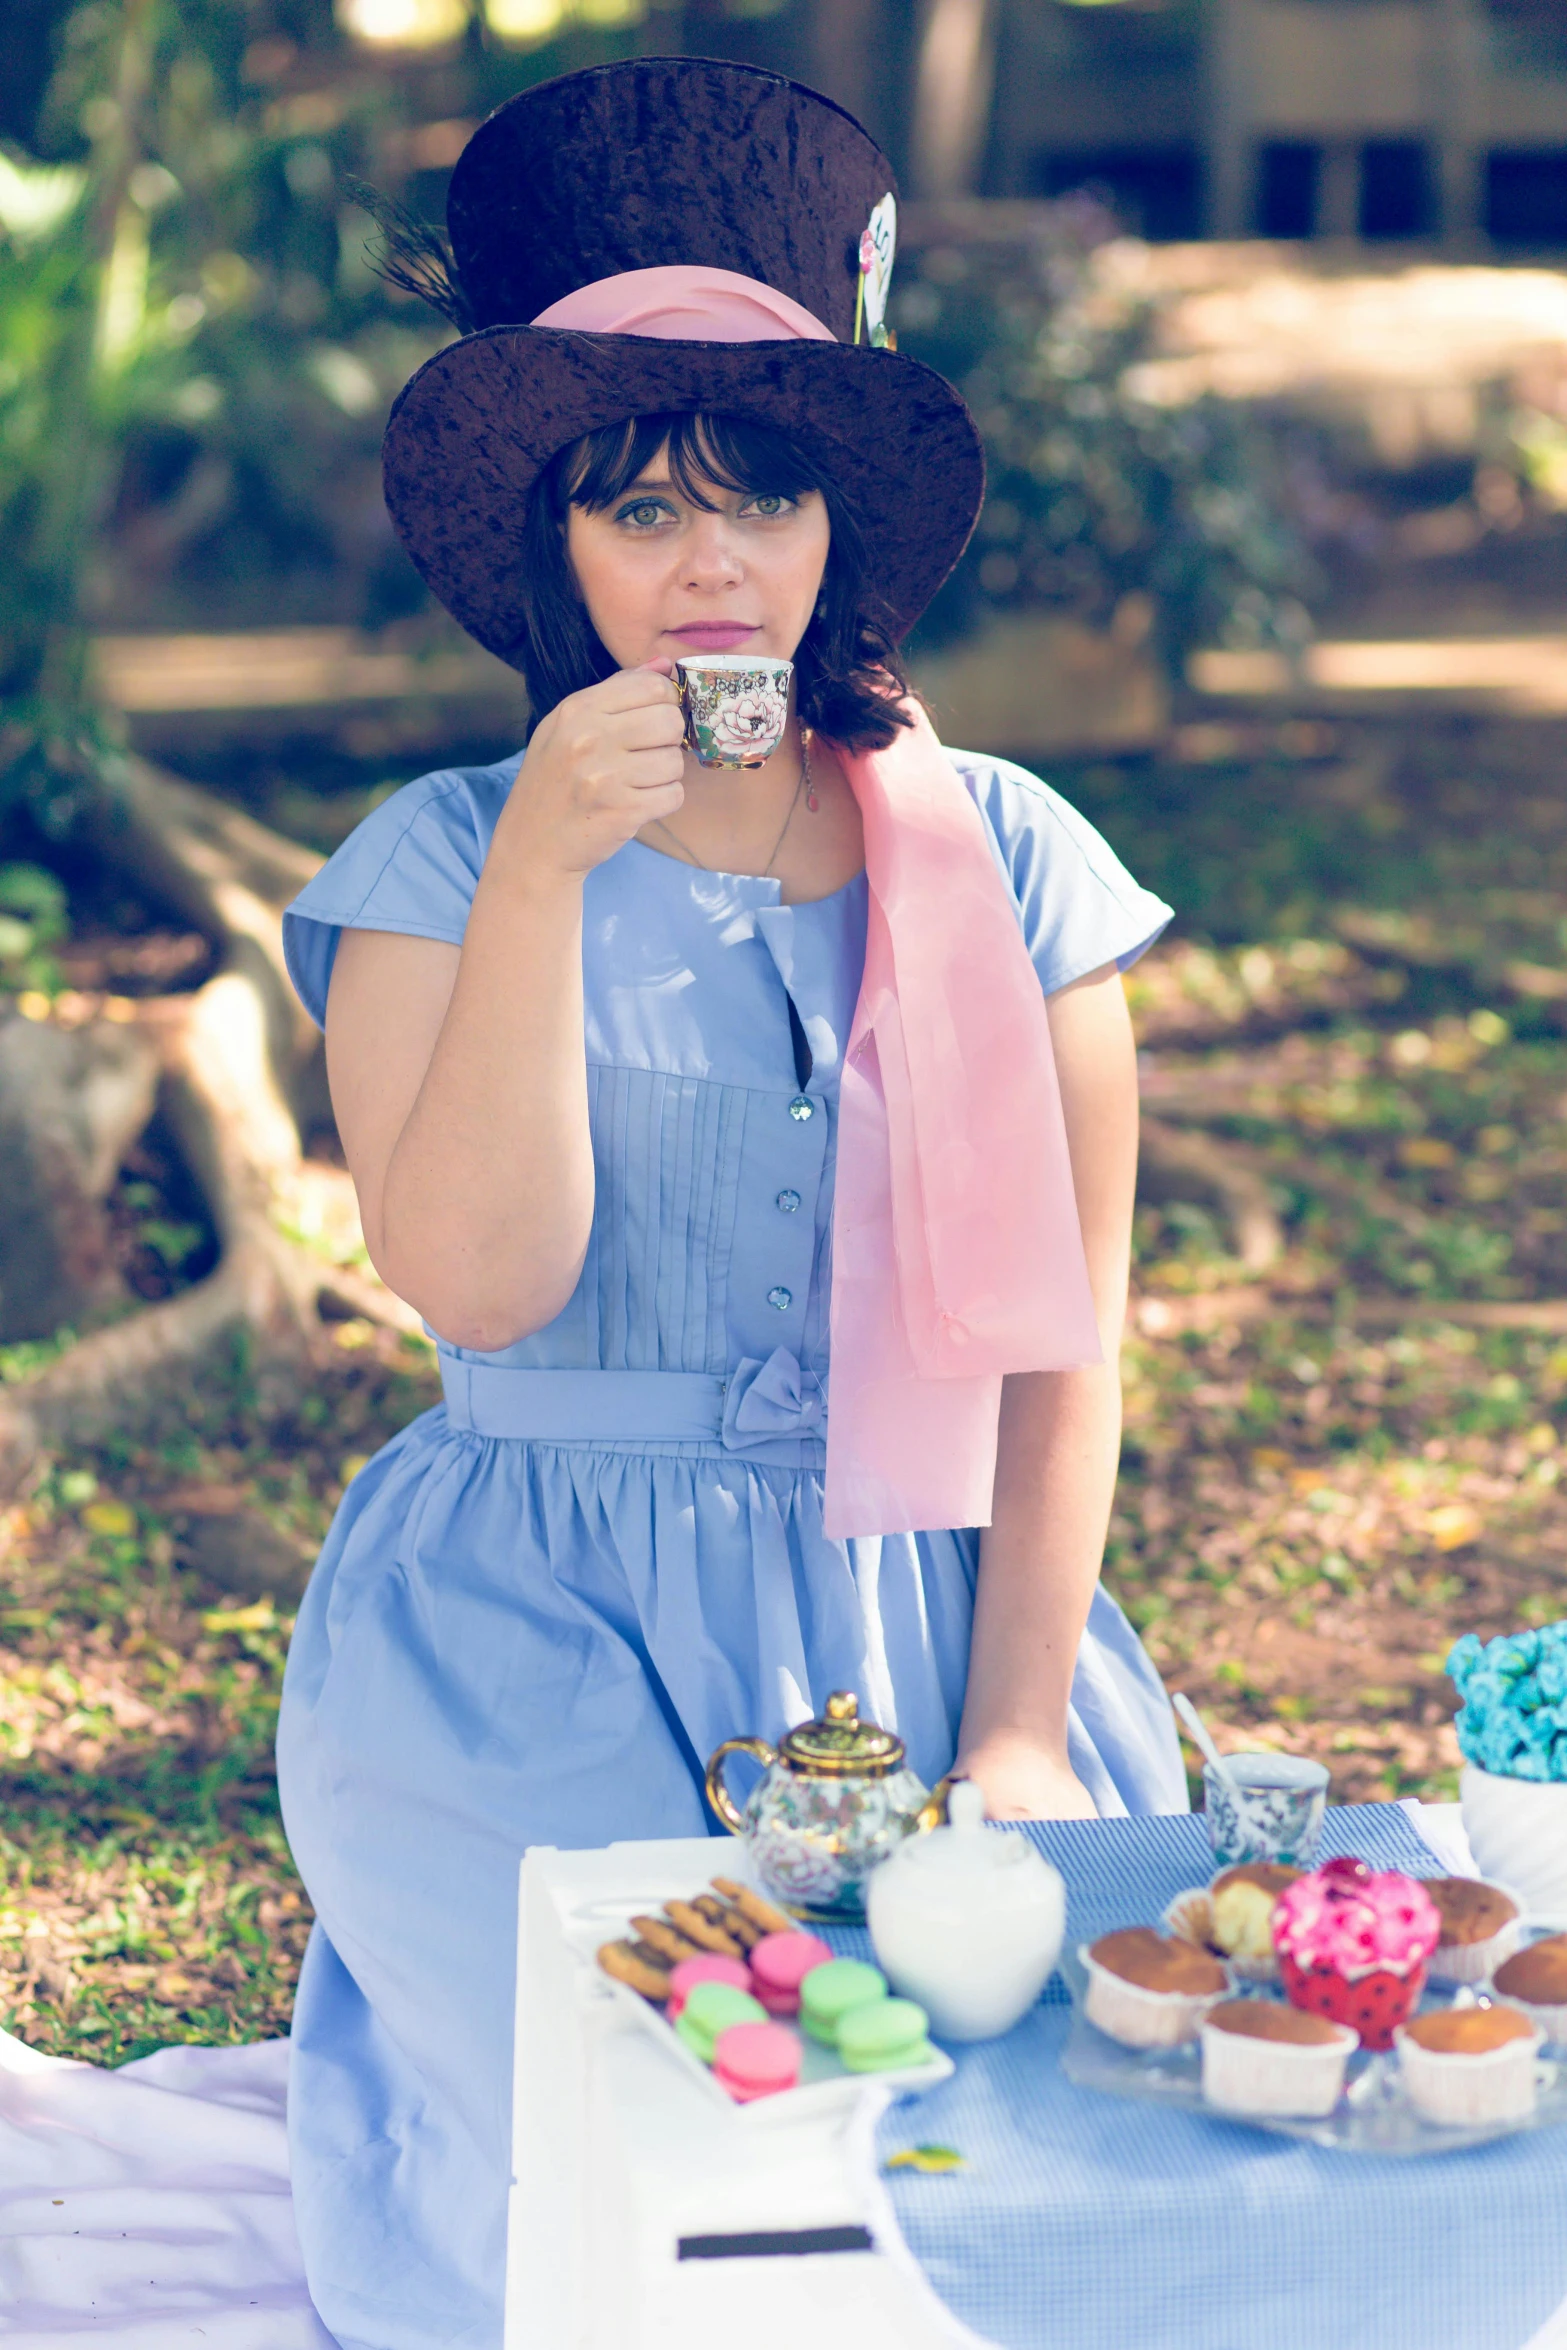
{"x":235,"y":1059}
{"x":954,"y":84}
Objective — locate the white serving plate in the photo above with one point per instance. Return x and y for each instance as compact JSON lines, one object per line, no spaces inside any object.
{"x":1372,"y":2117}
{"x":825,"y":2087}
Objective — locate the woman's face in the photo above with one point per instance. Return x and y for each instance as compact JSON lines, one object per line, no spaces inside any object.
{"x":665,"y":579}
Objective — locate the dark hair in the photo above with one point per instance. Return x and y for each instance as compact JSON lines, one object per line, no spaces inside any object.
{"x":849,"y":677}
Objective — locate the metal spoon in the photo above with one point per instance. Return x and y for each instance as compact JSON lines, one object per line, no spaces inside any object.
{"x":1202,"y":1736}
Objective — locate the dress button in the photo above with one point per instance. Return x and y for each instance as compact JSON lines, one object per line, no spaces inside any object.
{"x":802,"y":1108}
{"x":780,"y":1300}
{"x":788,"y":1201}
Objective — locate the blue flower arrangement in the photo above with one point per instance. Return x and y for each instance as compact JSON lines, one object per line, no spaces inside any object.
{"x":1512,"y":1719}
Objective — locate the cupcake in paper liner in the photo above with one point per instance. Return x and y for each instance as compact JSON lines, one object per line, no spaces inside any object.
{"x":1482,"y":1925}
{"x":1353,"y":1944}
{"x":1467,"y":2067}
{"x":1535,"y":1980}
{"x":1233,"y":1917}
{"x":1263,"y":2059}
{"x":1149,"y":1990}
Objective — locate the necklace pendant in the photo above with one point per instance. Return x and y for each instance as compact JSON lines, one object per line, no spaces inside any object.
{"x":811,"y":801}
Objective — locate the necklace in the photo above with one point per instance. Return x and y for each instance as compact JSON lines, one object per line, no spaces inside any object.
{"x":803,"y":785}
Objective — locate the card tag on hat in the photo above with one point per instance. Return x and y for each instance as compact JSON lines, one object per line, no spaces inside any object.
{"x":878,"y":246}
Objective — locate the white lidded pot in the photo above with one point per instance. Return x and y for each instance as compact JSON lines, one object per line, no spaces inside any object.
{"x":967,"y":1922}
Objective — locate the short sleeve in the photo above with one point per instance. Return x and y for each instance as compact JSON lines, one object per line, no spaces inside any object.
{"x":412,"y":866}
{"x":1078,"y":905}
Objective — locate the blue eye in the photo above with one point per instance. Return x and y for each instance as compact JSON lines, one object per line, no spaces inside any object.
{"x":643,"y":513}
{"x":769,"y":504}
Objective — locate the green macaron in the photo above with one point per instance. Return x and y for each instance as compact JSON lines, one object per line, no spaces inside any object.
{"x":833,"y":1990}
{"x":884,"y":2036}
{"x":711,"y":2008}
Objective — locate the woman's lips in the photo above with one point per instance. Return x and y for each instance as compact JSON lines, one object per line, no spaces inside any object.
{"x":714,"y":636}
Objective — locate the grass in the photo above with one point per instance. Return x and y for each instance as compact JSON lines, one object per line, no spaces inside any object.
{"x":1331,"y":1468}
{"x":146,"y":1889}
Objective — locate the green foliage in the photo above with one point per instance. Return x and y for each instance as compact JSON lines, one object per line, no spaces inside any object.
{"x":1100,"y":500}
{"x":34,"y":916}
{"x":195,"y":356}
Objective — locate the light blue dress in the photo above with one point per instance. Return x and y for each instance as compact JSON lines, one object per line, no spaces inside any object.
{"x":545,"y":1602}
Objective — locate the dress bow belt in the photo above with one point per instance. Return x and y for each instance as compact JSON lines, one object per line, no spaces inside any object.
{"x":757,"y":1404}
{"x":775,"y":1398}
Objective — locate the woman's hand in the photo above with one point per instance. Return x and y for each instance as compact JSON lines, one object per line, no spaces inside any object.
{"x":600,"y":766}
{"x":1022,"y":1781}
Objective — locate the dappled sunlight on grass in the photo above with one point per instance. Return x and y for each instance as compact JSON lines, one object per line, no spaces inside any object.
{"x":146,"y":1891}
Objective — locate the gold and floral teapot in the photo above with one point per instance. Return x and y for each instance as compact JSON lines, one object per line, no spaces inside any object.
{"x":835,"y":1799}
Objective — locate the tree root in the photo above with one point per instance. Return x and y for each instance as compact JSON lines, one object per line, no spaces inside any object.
{"x":1180,"y":1161}
{"x":1364,"y":1192}
{"x":1157,"y":1316}
{"x":236,"y":1064}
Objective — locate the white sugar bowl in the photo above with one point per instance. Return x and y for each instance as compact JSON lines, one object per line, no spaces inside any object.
{"x":967,"y":1922}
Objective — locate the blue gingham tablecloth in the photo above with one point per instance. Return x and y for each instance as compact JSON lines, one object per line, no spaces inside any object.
{"x":1087,"y":2222}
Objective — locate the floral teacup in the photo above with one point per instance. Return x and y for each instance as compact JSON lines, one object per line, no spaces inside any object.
{"x":1278,"y":1815}
{"x":736,"y":706}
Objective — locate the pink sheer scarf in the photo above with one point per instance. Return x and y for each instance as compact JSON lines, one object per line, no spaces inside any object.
{"x":957,"y":1254}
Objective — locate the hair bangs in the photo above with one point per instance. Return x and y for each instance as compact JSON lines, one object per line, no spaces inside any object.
{"x":704,"y":453}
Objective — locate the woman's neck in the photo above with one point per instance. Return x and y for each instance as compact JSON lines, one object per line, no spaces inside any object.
{"x":760,"y":820}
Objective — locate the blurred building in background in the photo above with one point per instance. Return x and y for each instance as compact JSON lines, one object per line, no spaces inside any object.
{"x":1437,"y":121}
{"x":1428,"y":120}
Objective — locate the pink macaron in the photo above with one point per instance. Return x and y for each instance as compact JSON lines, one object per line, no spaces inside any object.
{"x":710,"y":1967}
{"x":756,"y":2060}
{"x":779,"y":1964}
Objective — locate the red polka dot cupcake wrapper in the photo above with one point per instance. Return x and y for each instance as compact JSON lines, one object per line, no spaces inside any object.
{"x":1374,"y":2004}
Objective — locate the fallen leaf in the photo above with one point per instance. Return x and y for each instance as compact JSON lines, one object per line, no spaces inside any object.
{"x":929,"y":2161}
{"x":1454,"y":1525}
{"x":109,"y":1517}
{"x":257,"y":1618}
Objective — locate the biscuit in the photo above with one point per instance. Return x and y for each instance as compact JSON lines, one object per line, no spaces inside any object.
{"x":690,"y":1921}
{"x":620,"y":1959}
{"x":751,"y":1905}
{"x":669,"y":1944}
{"x":730,"y":1920}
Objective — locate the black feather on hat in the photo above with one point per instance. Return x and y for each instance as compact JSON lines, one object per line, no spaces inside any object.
{"x":667,"y":160}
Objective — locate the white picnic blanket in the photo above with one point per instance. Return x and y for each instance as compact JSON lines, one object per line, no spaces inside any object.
{"x":149,"y":2207}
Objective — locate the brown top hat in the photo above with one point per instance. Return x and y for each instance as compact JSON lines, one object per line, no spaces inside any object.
{"x":668,"y":163}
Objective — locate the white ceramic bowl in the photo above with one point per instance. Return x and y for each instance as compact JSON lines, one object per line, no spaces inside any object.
{"x":967,"y":1921}
{"x":1517,"y":1831}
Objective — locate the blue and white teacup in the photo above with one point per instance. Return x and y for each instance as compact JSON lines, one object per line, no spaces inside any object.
{"x":1277,"y":1814}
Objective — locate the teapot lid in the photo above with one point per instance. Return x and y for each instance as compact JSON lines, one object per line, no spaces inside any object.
{"x":841,"y":1746}
{"x":963,"y":1849}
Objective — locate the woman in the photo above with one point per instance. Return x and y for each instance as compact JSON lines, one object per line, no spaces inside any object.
{"x":607,"y":1031}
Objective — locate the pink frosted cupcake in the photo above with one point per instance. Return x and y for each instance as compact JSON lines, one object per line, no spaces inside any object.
{"x":1353,"y":1945}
